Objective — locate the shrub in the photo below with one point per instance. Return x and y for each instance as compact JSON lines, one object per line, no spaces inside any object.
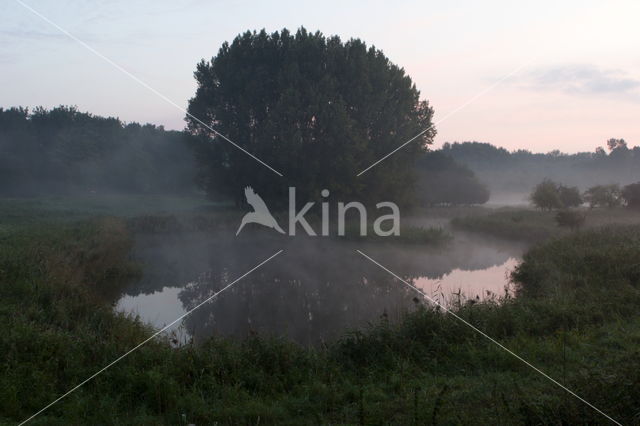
{"x":443,"y":181}
{"x":570,"y":219}
{"x":545,"y":195}
{"x":631,"y":195}
{"x":569,"y":196}
{"x":549,"y":195}
{"x":604,"y":196}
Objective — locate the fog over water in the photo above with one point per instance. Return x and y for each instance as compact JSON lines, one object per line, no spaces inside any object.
{"x":315,"y":291}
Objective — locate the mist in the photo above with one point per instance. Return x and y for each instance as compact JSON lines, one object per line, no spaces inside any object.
{"x":66,"y":152}
{"x":316,"y":291}
{"x":147,"y":269}
{"x":511,"y":176}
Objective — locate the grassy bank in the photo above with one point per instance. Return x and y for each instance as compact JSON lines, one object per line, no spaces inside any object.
{"x":576,"y":319}
{"x":536,"y":225}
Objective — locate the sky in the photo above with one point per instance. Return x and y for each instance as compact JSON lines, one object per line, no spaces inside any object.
{"x":538,"y":75}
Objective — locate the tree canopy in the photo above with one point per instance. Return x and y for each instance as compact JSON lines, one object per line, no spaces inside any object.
{"x":63,"y":150}
{"x":631,"y":195}
{"x":315,"y":108}
{"x":546,"y":196}
{"x":443,"y":181}
{"x":518,"y":171}
{"x":549,"y":195}
{"x":604,"y":196}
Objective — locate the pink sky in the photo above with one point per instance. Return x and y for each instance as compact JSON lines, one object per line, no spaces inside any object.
{"x":580,"y":84}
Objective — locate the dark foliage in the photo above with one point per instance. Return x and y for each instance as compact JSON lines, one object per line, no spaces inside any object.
{"x":62,"y":150}
{"x":519,"y":170}
{"x":604,"y":196}
{"x":315,"y":108}
{"x":569,"y":196}
{"x":631,"y":195}
{"x":546,"y":196}
{"x":443,"y":181}
{"x":549,"y":195}
{"x":570,"y":219}
{"x":576,"y":318}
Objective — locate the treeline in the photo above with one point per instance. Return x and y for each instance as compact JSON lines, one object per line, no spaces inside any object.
{"x":550,"y":195}
{"x":443,"y":181}
{"x":64,"y":151}
{"x":518,"y":171}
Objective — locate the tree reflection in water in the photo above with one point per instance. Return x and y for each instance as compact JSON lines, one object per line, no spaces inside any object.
{"x":313,"y":292}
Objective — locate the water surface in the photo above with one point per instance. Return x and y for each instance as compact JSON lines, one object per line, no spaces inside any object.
{"x":315,"y":291}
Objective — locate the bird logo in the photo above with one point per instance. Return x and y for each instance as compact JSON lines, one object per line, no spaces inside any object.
{"x":260,"y":213}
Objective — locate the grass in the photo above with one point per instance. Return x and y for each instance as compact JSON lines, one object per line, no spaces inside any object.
{"x":36,"y":211}
{"x":576,"y":319}
{"x":536,"y":225}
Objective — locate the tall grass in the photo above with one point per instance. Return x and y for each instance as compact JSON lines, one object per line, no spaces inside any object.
{"x":537,"y":226}
{"x":576,"y":319}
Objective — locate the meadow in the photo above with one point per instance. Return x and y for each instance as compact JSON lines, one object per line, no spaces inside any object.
{"x":536,"y":225}
{"x":574,"y":316}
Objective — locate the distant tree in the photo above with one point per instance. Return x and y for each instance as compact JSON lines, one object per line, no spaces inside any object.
{"x":546,"y":196}
{"x":477,"y":154}
{"x":65,"y":151}
{"x":520,"y":170}
{"x":614,"y":144}
{"x":569,"y":196}
{"x":631,"y":195}
{"x":441,"y":180}
{"x":315,"y":108}
{"x":620,"y":152}
{"x":549,"y":195}
{"x":570,"y":219}
{"x":604,"y":196}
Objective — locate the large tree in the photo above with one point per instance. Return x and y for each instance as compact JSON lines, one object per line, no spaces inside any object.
{"x":314,"y":108}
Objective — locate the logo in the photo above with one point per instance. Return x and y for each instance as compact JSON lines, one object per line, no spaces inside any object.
{"x":260,"y":213}
{"x":262,"y":216}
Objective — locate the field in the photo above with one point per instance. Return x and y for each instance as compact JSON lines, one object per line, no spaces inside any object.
{"x":536,"y":225}
{"x":575,"y":318}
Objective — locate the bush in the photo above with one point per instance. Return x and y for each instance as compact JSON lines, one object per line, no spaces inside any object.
{"x":631,"y":195}
{"x":604,"y":196}
{"x":569,"y":196}
{"x":443,"y":181}
{"x":570,"y":219}
{"x":545,"y":195}
{"x":549,"y":195}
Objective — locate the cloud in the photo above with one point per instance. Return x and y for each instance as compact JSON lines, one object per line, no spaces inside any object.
{"x":584,"y":80}
{"x":32,"y":34}
{"x":57,"y":36}
{"x":7,"y":58}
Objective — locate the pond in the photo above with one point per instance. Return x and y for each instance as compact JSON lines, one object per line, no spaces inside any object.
{"x":314,"y":291}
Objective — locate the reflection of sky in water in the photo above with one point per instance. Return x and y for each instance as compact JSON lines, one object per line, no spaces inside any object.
{"x":481,"y":283}
{"x":315,"y":291}
{"x":158,"y":308}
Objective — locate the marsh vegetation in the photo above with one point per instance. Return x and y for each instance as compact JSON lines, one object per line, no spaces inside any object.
{"x":573,"y":313}
{"x":109,"y":231}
